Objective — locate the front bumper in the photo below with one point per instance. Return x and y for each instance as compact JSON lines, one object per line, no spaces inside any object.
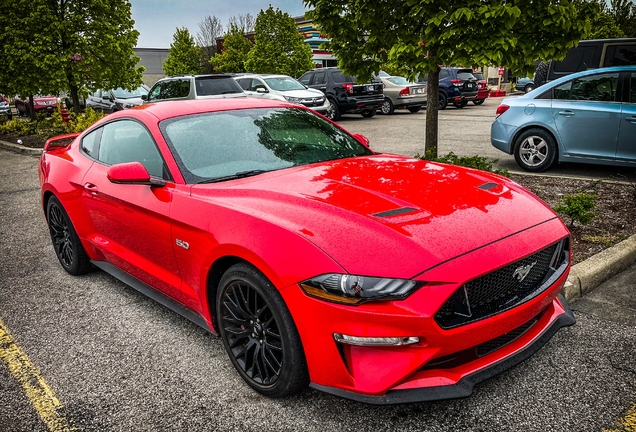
{"x":420,"y":371}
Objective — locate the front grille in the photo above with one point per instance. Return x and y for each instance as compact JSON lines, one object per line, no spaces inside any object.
{"x":503,"y":340}
{"x":505,"y":288}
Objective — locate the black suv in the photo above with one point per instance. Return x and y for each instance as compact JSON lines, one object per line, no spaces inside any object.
{"x":194,"y":87}
{"x":456,"y":86}
{"x":344,"y":95}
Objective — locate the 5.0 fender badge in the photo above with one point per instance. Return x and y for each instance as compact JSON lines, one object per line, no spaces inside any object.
{"x":183,"y":244}
{"x":522,"y":272}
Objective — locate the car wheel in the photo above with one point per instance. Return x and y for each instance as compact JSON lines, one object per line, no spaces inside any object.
{"x":415,"y":109}
{"x":461,"y":104}
{"x":387,"y":107}
{"x":259,"y":333}
{"x":528,"y":88}
{"x":368,"y":113}
{"x":66,"y":243}
{"x":442,"y":102}
{"x":333,"y":113}
{"x":541,"y":74}
{"x":535,"y":150}
{"x":479,"y":101}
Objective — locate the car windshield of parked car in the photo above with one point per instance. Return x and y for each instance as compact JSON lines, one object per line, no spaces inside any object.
{"x":284,"y":84}
{"x":220,"y":146}
{"x":399,"y":80}
{"x":121,"y":93}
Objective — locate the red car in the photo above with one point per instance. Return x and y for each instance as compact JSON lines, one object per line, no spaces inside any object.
{"x":375,"y":277}
{"x":41,"y":104}
{"x":482,"y":85}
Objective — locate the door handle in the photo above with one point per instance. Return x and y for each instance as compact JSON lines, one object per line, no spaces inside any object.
{"x":566,"y":113}
{"x":90,"y":188}
{"x":631,"y":119}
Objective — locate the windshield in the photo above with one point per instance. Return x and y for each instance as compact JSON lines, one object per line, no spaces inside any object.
{"x":284,"y":84}
{"x":121,"y":93}
{"x":209,"y":146}
{"x":399,"y":81}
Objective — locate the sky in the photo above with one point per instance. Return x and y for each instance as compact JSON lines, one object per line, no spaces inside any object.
{"x":157,"y":20}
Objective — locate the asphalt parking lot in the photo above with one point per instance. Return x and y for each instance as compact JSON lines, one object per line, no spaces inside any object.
{"x":114,"y":360}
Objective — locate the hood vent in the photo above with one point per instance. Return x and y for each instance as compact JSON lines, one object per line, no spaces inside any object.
{"x":395,"y":212}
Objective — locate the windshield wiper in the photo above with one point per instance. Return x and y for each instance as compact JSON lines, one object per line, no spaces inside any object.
{"x":238,"y":175}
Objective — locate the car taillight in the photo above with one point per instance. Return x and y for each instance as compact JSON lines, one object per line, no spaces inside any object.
{"x":348,"y":88}
{"x":501,"y":109}
{"x":404,"y":91}
{"x":457,"y":82}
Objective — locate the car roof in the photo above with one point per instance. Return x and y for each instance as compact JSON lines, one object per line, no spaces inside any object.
{"x":169,"y":109}
{"x":588,"y":72}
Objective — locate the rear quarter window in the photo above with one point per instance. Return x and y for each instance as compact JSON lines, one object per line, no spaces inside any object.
{"x":339,"y":77}
{"x":209,"y":86}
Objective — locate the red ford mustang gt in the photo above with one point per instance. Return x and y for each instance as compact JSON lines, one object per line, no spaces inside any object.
{"x":319,"y":262}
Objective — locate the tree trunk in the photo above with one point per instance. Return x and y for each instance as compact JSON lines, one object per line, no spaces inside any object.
{"x":75,"y":98}
{"x":31,"y":108}
{"x":432,"y":90}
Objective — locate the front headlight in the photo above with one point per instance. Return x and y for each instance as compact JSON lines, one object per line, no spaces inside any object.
{"x":293,"y":99}
{"x":353,"y":290}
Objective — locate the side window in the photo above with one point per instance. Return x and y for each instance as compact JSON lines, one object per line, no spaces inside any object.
{"x":256,"y":84}
{"x":319,"y":78}
{"x":97,"y":94}
{"x":563,"y":91}
{"x":305,"y":79}
{"x":89,"y":143}
{"x":245,"y":83}
{"x":632,"y":91}
{"x":620,"y":55}
{"x":444,"y":74}
{"x":154,"y":93}
{"x":128,"y":141}
{"x":175,"y":89}
{"x":601,"y":87}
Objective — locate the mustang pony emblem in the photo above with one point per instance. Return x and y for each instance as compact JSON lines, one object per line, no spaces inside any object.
{"x":522,"y":272}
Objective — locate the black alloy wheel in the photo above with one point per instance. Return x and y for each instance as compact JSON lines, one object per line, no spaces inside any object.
{"x":368,"y":113}
{"x":66,"y":243}
{"x":259,"y":333}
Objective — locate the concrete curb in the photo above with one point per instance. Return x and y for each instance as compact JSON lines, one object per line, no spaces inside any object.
{"x":17,"y":148}
{"x":583,"y":278}
{"x":587,"y":275}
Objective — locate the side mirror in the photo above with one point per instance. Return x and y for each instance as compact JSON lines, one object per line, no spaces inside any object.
{"x":144,"y":97}
{"x":132,"y":173}
{"x":362,"y":140}
{"x":261,"y":90}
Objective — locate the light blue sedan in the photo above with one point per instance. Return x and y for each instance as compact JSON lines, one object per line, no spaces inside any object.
{"x":587,"y":117}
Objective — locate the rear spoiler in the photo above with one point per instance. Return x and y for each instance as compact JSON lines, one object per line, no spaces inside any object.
{"x":54,"y":142}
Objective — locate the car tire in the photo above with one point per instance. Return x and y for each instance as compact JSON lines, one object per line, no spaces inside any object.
{"x":387,"y":107}
{"x":415,"y":109}
{"x":442,"y":101}
{"x":541,"y":74}
{"x":535,"y":150}
{"x":368,"y":113}
{"x":259,"y":334}
{"x":333,"y":113}
{"x":528,"y":88}
{"x":66,"y":243}
{"x":461,"y":104}
{"x":479,"y":101}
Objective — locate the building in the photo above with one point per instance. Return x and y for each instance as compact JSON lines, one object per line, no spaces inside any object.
{"x":152,"y":59}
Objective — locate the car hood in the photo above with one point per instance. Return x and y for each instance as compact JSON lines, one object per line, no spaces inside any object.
{"x":303,"y":93}
{"x":135,"y":101}
{"x":385,"y":215}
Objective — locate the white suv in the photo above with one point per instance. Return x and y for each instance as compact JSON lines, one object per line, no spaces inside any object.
{"x":284,"y":88}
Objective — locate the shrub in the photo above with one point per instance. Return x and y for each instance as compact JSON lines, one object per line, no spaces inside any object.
{"x":81,"y":122}
{"x":578,"y":207}
{"x":477,"y":162}
{"x":18,"y":127}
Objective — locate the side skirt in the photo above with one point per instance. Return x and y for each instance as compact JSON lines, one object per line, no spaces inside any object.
{"x":160,"y":298}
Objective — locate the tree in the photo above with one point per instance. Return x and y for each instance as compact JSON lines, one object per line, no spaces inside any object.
{"x":68,"y":45}
{"x":235,"y":49}
{"x":244,"y":22}
{"x":209,"y":30}
{"x":278,"y":46}
{"x":184,"y":55}
{"x":416,"y":36}
{"x":624,"y":14}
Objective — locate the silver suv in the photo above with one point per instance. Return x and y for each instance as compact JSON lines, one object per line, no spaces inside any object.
{"x":285,"y":88}
{"x":183,"y":87}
